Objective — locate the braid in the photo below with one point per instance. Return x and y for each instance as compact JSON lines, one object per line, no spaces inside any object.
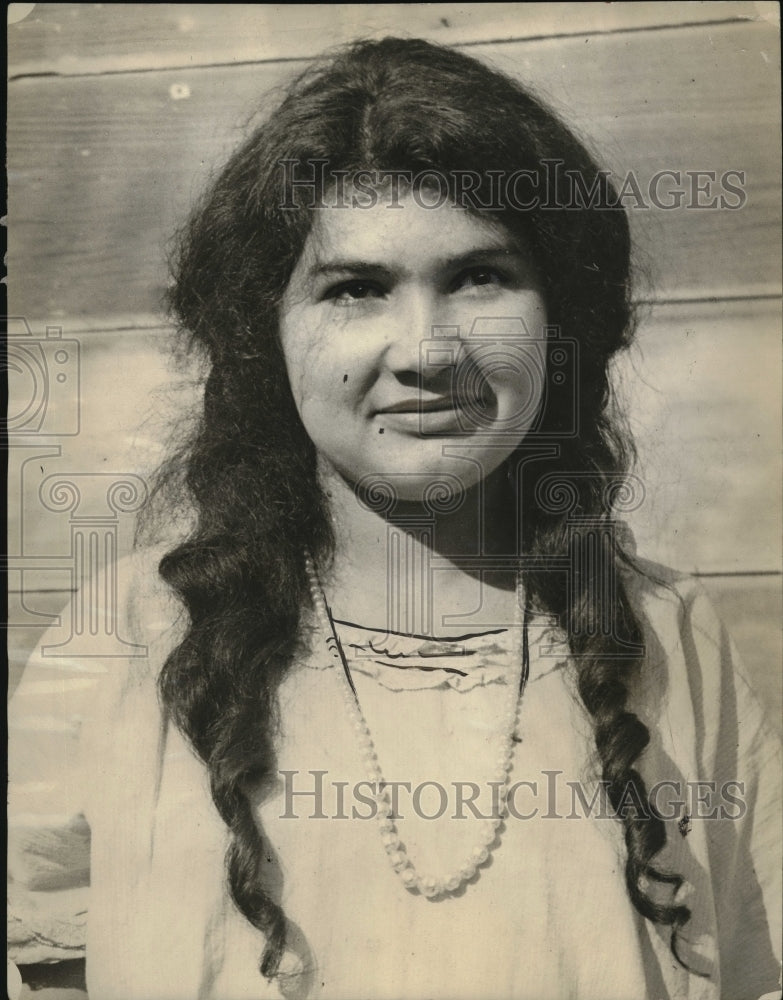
{"x":241,"y":578}
{"x":607,"y":643}
{"x":620,"y":739}
{"x":244,"y":863}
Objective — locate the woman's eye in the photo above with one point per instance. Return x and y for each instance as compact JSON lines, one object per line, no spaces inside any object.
{"x":479,"y":277}
{"x":348,"y":292}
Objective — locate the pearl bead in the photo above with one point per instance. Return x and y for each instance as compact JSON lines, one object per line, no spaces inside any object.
{"x":398,"y":860}
{"x":488,"y":834}
{"x":390,"y":840}
{"x":467,"y":871}
{"x":453,"y":882}
{"x":430,"y":887}
{"x":479,"y":855}
{"x":409,"y":877}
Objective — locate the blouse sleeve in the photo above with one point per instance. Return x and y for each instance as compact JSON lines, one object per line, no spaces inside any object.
{"x":717,"y":752}
{"x":48,"y":836}
{"x":745,"y":852}
{"x":61,"y":702}
{"x":739,"y":765}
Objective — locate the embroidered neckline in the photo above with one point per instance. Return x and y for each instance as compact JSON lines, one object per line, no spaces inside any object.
{"x":408,"y":662}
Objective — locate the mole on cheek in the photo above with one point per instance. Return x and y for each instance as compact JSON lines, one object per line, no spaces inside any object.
{"x":345,"y":378}
{"x":380,"y":430}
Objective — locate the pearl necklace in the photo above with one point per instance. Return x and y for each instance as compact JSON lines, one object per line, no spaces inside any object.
{"x":428,"y":885}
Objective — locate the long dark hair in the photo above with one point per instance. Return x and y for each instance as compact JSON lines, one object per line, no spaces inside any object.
{"x":249,"y":469}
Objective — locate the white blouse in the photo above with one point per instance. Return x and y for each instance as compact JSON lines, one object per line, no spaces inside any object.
{"x":116,"y":847}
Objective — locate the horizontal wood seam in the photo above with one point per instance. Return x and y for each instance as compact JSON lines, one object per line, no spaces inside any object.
{"x":24,"y":74}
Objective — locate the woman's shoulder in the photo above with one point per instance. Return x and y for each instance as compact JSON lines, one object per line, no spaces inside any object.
{"x":680,"y":623}
{"x":670,"y":600}
{"x":694,"y":672}
{"x":134,"y":618}
{"x":151,"y":619}
{"x":150,"y":605}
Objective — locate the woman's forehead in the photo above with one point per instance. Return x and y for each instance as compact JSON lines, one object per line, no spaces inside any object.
{"x":409,"y":227}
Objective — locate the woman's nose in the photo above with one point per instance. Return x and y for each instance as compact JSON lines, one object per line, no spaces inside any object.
{"x":418,"y":334}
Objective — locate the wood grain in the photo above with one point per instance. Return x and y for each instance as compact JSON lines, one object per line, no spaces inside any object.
{"x":702,"y":388}
{"x":91,"y":38}
{"x":101,"y":169}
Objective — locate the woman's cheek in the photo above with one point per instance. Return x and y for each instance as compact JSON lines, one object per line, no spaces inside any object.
{"x":305,"y":344}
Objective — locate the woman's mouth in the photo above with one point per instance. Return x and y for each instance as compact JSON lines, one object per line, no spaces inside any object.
{"x":437,"y":415}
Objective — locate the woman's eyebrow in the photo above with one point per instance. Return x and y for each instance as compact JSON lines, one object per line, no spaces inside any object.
{"x":365,"y":268}
{"x":485,"y":255}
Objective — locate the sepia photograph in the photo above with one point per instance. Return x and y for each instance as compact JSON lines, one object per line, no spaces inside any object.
{"x":395,"y":463}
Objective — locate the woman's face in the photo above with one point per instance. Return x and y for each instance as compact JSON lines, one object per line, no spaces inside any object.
{"x":413,"y":339}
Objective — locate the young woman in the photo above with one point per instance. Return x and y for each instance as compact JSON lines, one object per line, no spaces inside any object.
{"x":414,"y":721}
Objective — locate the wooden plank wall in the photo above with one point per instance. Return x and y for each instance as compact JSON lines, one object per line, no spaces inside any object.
{"x":118,"y":113}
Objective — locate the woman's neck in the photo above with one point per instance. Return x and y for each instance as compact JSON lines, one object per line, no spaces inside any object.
{"x":439,"y":565}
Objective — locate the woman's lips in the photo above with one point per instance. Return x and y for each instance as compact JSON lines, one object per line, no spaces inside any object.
{"x":446,"y":414}
{"x":421,"y":405}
